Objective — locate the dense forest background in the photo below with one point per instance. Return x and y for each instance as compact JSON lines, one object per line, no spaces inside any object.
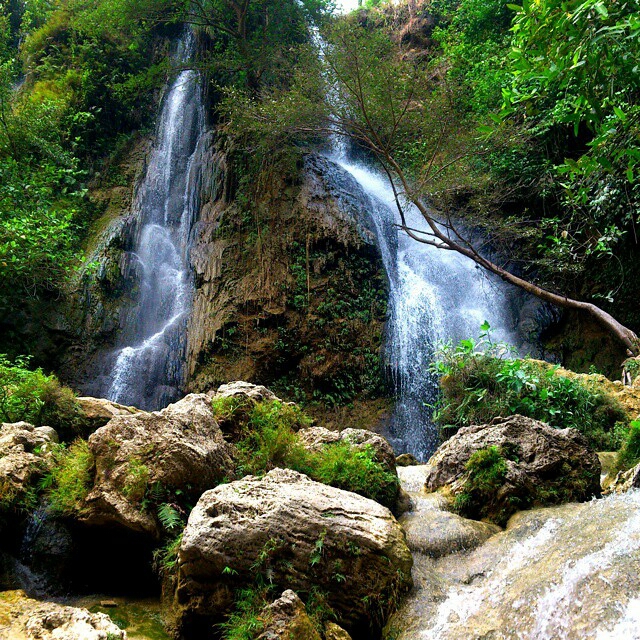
{"x":523,"y":119}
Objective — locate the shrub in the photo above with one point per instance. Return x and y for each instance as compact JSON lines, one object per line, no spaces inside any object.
{"x":165,"y":559}
{"x":246,"y":621}
{"x":479,"y":383}
{"x":343,"y":466}
{"x":269,"y":440}
{"x":35,"y":397}
{"x":486,"y":471}
{"x":629,"y":454}
{"x":137,"y":482}
{"x":70,"y":479}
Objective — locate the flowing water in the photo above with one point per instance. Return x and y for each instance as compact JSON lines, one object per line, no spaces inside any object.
{"x":561,"y":573}
{"x":435,"y":296}
{"x":147,"y":369}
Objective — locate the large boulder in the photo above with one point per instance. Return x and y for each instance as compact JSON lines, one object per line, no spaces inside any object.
{"x":435,"y":532}
{"x":540,"y":465}
{"x":431,"y":529}
{"x":298,"y":534}
{"x":241,"y":390}
{"x":24,"y":457}
{"x":96,"y":412}
{"x":22,"y":618}
{"x":180,"y":448}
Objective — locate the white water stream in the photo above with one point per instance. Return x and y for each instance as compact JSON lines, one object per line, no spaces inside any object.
{"x":148,"y":367}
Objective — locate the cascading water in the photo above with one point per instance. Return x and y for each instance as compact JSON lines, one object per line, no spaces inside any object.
{"x":147,"y":368}
{"x":435,"y":296}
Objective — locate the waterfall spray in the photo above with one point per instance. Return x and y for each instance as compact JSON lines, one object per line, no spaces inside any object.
{"x":147,"y":368}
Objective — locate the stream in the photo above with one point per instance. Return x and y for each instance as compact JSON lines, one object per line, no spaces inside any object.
{"x":561,"y":573}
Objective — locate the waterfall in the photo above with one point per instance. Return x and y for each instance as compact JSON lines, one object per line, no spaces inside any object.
{"x":435,"y":296}
{"x":147,"y":369}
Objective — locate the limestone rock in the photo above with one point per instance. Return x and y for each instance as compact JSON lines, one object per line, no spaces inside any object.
{"x":96,"y":412}
{"x":406,"y":460}
{"x":625,"y":480}
{"x":22,"y":618}
{"x":333,"y":632}
{"x":244,"y":390}
{"x":288,"y":620}
{"x":436,"y":533}
{"x":299,"y":534}
{"x":544,"y":465}
{"x":314,"y":438}
{"x":24,"y":458}
{"x":180,"y":447}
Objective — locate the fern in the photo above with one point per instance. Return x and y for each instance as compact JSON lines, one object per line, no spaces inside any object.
{"x":170,"y":517}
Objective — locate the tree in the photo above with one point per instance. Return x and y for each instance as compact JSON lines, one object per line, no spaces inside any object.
{"x":251,"y":38}
{"x":386,"y":103}
{"x":575,"y":76}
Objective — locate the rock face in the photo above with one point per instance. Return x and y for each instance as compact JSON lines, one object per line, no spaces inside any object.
{"x":253,"y":318}
{"x":288,"y":620}
{"x":96,"y":412}
{"x":560,"y":573}
{"x":543,"y":464}
{"x":245,"y":391}
{"x":625,"y":480}
{"x":22,"y":618}
{"x":24,"y":458}
{"x":314,"y":438}
{"x":298,"y":534}
{"x":180,"y":447}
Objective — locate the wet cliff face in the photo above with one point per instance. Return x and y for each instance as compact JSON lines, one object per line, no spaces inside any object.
{"x":290,"y":291}
{"x":93,"y":307}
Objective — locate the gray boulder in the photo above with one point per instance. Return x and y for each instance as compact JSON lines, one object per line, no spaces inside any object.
{"x":25,"y":455}
{"x":300,"y":535}
{"x":543,"y":465}
{"x":178,"y":448}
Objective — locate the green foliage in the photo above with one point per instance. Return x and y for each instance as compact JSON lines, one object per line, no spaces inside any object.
{"x":629,"y":454}
{"x":70,"y":479}
{"x":246,"y":621}
{"x":90,"y":77}
{"x":478,"y":383}
{"x":170,"y":517}
{"x":475,"y":37}
{"x":35,"y":397}
{"x":344,"y":466}
{"x":137,"y":480}
{"x":13,"y":499}
{"x":574,"y":91}
{"x":165,"y":559}
{"x":269,"y":440}
{"x":253,"y":39}
{"x":486,"y":471}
